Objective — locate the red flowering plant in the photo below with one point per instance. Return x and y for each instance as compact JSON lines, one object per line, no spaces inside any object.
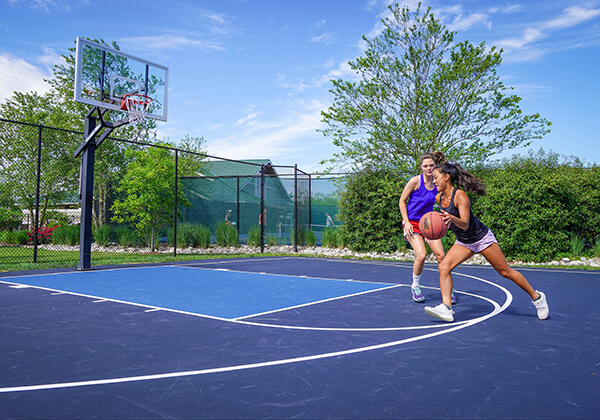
{"x":44,"y":234}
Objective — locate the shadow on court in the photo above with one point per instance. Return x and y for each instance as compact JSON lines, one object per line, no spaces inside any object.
{"x":294,"y":338}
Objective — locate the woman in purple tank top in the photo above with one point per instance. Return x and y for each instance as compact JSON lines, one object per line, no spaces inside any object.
{"x":472,"y":237}
{"x":420,"y":193}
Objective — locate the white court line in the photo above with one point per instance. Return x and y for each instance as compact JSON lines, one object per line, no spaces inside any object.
{"x":39,"y":387}
{"x":393,"y":286}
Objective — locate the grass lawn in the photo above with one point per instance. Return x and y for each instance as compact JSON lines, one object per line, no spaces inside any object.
{"x":16,"y":258}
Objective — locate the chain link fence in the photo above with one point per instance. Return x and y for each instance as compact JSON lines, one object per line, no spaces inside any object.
{"x":147,"y":198}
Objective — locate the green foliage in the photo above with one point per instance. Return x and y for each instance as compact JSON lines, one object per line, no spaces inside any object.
{"x":310,"y":238}
{"x":14,"y":237}
{"x":596,"y":249}
{"x":577,"y":245}
{"x":10,"y":218}
{"x":369,"y":211}
{"x":535,"y":204}
{"x":66,"y":235}
{"x":301,"y":236}
{"x":254,"y":236}
{"x":103,"y":235}
{"x":191,"y":234}
{"x":329,"y":238}
{"x":226,"y":235}
{"x":420,"y":91}
{"x":147,"y":191}
{"x":126,"y":236}
{"x":271,"y":240}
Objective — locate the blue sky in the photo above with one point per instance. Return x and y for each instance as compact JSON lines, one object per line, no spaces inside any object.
{"x":251,"y":76}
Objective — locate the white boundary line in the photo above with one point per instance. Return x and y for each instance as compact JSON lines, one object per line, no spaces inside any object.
{"x":497,"y":309}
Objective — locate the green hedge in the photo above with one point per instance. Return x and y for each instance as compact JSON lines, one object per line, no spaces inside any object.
{"x":535,"y":205}
{"x":369,"y":210}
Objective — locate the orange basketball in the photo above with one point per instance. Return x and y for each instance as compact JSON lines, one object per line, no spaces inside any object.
{"x":432,"y":226}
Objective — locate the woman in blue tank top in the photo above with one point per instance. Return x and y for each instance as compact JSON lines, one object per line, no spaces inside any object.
{"x":472,"y":237}
{"x":420,"y":193}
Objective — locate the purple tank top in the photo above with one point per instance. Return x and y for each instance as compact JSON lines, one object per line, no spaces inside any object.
{"x":420,"y":202}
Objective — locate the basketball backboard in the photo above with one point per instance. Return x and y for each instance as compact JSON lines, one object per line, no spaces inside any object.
{"x":104,"y":75}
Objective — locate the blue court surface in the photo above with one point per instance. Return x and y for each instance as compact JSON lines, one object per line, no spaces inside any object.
{"x":288,"y":337}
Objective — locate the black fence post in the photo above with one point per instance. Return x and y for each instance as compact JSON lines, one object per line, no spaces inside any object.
{"x":262,"y":218}
{"x":309,"y":202}
{"x":175,"y":204}
{"x":237,"y":208}
{"x":36,"y":223}
{"x":296,"y":208}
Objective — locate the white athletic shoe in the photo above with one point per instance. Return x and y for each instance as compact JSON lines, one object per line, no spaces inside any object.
{"x":542,"y":306}
{"x":441,"y":311}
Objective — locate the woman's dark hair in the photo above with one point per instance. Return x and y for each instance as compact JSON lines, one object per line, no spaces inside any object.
{"x":461,"y":178}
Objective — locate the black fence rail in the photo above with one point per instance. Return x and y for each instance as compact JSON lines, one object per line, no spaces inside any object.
{"x":148,"y":198}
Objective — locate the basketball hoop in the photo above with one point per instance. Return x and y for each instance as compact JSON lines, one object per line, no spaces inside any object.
{"x":136,"y":106}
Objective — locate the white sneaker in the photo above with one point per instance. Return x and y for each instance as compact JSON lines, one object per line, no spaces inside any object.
{"x":542,"y":306}
{"x":441,"y":311}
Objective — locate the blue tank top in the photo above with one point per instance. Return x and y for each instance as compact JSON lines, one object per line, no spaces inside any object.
{"x":421,"y":201}
{"x":476,"y":230}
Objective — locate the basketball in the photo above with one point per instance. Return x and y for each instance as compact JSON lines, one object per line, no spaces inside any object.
{"x":432,"y":226}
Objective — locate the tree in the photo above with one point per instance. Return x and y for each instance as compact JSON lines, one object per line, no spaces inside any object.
{"x":147,"y":192}
{"x":19,"y":156}
{"x":419,"y":92}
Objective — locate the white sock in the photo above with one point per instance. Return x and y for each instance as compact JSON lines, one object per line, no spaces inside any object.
{"x":416,"y":280}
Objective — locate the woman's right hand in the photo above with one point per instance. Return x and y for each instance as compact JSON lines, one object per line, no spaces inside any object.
{"x":408,"y":229}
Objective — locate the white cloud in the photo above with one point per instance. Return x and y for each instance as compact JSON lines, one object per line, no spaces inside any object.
{"x":50,"y":58}
{"x":318,"y":24}
{"x":342,"y":71}
{"x":169,"y":42}
{"x":463,"y":23}
{"x":275,"y":138}
{"x":529,"y":35}
{"x":17,"y":75}
{"x":326,"y":38}
{"x":572,"y":16}
{"x":248,"y":119}
{"x":45,"y":6}
{"x":528,"y":48}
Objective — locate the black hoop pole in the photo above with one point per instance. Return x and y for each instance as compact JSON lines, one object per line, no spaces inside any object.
{"x":87,"y":196}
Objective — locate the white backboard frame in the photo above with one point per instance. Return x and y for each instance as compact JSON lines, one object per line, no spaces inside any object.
{"x":88,"y":90}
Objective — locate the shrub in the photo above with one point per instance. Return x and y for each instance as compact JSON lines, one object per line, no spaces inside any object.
{"x":203,"y":236}
{"x":301,"y":236}
{"x":10,"y":218}
{"x":44,"y":235}
{"x":271,"y":240}
{"x":254,"y":236}
{"x":368,"y":207}
{"x":66,"y":235}
{"x":329,"y":238}
{"x":535,"y":204}
{"x":226,"y":235}
{"x":103,"y":235}
{"x":596,"y":249}
{"x":191,"y":234}
{"x":577,"y":245}
{"x":14,"y":237}
{"x":310,"y":238}
{"x":126,"y":236}
{"x":342,"y":238}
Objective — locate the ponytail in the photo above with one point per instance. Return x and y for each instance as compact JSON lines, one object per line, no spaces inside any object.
{"x":461,"y":178}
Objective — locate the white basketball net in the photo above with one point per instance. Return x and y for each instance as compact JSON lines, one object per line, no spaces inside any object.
{"x":137,"y":106}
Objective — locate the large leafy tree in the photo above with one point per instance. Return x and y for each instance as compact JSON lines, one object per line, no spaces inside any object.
{"x":147,"y":191}
{"x":19,"y":154}
{"x":419,"y":91}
